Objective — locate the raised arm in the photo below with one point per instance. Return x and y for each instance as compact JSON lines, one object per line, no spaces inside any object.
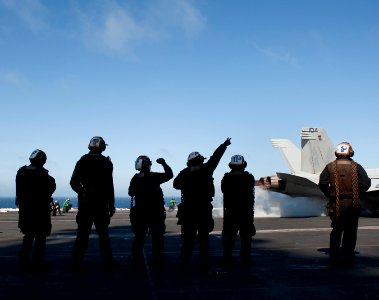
{"x":217,"y":155}
{"x":167,"y":175}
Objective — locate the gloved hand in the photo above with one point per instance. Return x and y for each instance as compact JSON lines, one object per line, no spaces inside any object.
{"x":161,"y":161}
{"x":111,"y":212}
{"x":227,"y":142}
{"x":253,"y":230}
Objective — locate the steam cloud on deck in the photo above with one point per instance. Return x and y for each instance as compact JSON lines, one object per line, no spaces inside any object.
{"x":271,"y":204}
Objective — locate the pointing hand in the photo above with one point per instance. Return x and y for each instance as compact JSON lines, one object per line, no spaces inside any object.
{"x":227,"y":142}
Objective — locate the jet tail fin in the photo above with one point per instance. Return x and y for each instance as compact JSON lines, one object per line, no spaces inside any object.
{"x":317,"y":150}
{"x":290,"y":152}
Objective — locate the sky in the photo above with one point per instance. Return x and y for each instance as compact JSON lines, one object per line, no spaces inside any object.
{"x":164,"y":78}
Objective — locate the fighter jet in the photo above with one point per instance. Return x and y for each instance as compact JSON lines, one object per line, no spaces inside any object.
{"x":305,"y":166}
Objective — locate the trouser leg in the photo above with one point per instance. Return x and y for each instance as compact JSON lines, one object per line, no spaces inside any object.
{"x":138,"y":243}
{"x":335,"y":240}
{"x":228,"y":241}
{"x":188,"y":242}
{"x":26,"y":247}
{"x":38,"y":252}
{"x":228,"y":245}
{"x":350,"y":238}
{"x":140,"y":232}
{"x":81,"y":242}
{"x":104,"y":241}
{"x":245,"y":245}
{"x":157,"y":241}
{"x":204,"y":246}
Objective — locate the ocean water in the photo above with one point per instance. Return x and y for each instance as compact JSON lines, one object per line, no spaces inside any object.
{"x":120,"y":202}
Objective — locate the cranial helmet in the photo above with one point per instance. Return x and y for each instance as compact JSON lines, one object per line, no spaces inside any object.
{"x":97,"y":143}
{"x":344,"y":149}
{"x":237,"y":162}
{"x":143,"y":162}
{"x":195,"y":158}
{"x":38,"y":158}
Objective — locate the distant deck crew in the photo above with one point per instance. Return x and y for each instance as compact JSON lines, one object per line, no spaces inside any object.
{"x":237,"y":187}
{"x":67,"y":205}
{"x":172,"y":204}
{"x":92,"y":180}
{"x":34,"y":188}
{"x":344,"y":182}
{"x":148,"y":213}
{"x":195,"y":210}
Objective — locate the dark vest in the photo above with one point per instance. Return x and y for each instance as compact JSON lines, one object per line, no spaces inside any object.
{"x":345,"y":177}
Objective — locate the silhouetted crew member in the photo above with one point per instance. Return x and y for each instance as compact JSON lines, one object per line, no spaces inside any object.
{"x":92,"y":179}
{"x":148,"y":213}
{"x":195,"y":211}
{"x":238,"y":189}
{"x":344,"y":182}
{"x":34,"y":188}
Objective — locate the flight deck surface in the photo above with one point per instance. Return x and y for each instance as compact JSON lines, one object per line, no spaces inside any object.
{"x":289,"y":261}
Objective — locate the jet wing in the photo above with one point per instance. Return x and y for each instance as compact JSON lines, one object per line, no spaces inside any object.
{"x":291,"y":185}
